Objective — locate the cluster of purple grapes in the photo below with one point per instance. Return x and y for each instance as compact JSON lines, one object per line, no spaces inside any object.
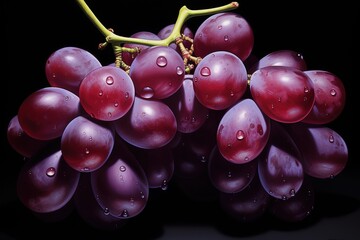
{"x":253,"y":130}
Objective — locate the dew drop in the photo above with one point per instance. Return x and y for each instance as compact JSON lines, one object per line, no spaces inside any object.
{"x":87,"y":151}
{"x":124,"y":213}
{"x":331,"y":139}
{"x":116,"y":104}
{"x":333,"y":92}
{"x":252,"y":125}
{"x":229,"y":174}
{"x":106,"y":211}
{"x":306,"y":90}
{"x":85,"y":169}
{"x":292,"y":192}
{"x":179,"y":70}
{"x":142,"y":195}
{"x":109,"y":114}
{"x":122,"y":168}
{"x":54,"y":75}
{"x":90,"y":138}
{"x":67,"y":98}
{"x":195,"y":79}
{"x":219,"y":27}
{"x":203,"y":159}
{"x":101,"y":93}
{"x":109,"y":80}
{"x":50,"y":172}
{"x":147,"y":92}
{"x":226,"y":38}
{"x":284,"y":197}
{"x":127,"y":95}
{"x":161,"y":61}
{"x":164,"y":185}
{"x":240,"y":135}
{"x":205,"y":71}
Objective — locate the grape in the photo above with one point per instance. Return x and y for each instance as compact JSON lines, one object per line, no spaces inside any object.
{"x":158,"y":165}
{"x":325,"y":153}
{"x":89,"y":209}
{"x":329,"y":97}
{"x":189,"y":112}
{"x":243,"y":132}
{"x":247,"y":205}
{"x":220,"y":80}
{"x":157,"y":72}
{"x":86,"y":144}
{"x":127,"y":57}
{"x":285,"y":57}
{"x":46,"y":183}
{"x":149,"y":124}
{"x":224,"y":32}
{"x":21,"y":142}
{"x":107,"y":93}
{"x":120,"y":185}
{"x":298,"y":207}
{"x":45,"y":113}
{"x":185,"y":30}
{"x":229,"y":177}
{"x":67,"y":66}
{"x":285,"y":94}
{"x":279,"y":165}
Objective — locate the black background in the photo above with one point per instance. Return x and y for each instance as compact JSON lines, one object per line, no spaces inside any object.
{"x":322,"y":32}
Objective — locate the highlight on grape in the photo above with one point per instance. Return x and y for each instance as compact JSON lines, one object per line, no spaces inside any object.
{"x":181,"y":106}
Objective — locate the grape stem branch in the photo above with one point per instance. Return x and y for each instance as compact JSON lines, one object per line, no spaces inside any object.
{"x":184,"y":14}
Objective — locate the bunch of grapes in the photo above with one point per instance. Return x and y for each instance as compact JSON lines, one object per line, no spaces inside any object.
{"x":202,"y":112}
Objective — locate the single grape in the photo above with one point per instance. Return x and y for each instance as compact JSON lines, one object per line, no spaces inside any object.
{"x":248,"y":205}
{"x":157,"y":72}
{"x":325,"y":153}
{"x":285,"y":94}
{"x":243,"y":132}
{"x":158,"y":165}
{"x":229,"y":177}
{"x":107,"y":93}
{"x":128,"y":57}
{"x":46,"y":183}
{"x":189,"y":112}
{"x":220,"y":80}
{"x":67,"y":66}
{"x":149,"y":124}
{"x":185,"y":30}
{"x":329,"y":97}
{"x":86,"y":144}
{"x":285,"y":57}
{"x":120,"y":185}
{"x":226,"y":31}
{"x":45,"y":113}
{"x":89,"y":209}
{"x":21,"y":142}
{"x":280,"y":164}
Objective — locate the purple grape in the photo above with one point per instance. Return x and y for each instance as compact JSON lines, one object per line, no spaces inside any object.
{"x":285,"y":57}
{"x":247,"y":205}
{"x":220,"y":80}
{"x":285,"y":94}
{"x":243,"y":132}
{"x":149,"y":124}
{"x":46,"y":183}
{"x":45,"y":113}
{"x":189,"y":112}
{"x":226,"y":31}
{"x":67,"y":66}
{"x":329,"y":97}
{"x":157,"y":72}
{"x":21,"y":142}
{"x":127,"y":57}
{"x":279,"y":165}
{"x":107,"y":93}
{"x":86,"y":144}
{"x":120,"y":186}
{"x":89,"y":209}
{"x":229,"y":177}
{"x":325,"y":153}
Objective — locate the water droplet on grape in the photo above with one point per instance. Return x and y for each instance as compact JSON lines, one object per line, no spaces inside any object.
{"x":87,"y":151}
{"x":306,"y":90}
{"x":127,"y":95}
{"x":161,"y":61}
{"x":331,"y":139}
{"x":226,"y":38}
{"x":292,"y":192}
{"x":122,"y":168}
{"x":67,"y":98}
{"x":229,"y":174}
{"x":179,"y":70}
{"x":50,"y":172}
{"x":333,"y":92}
{"x":219,"y":27}
{"x":205,"y":71}
{"x":109,"y":80}
{"x":101,"y":93}
{"x":252,"y":125}
{"x":106,"y":211}
{"x":240,"y":135}
{"x":147,"y":92}
{"x":164,"y":185}
{"x":85,"y":169}
{"x":116,"y":104}
{"x":283,"y":197}
{"x":124,"y":213}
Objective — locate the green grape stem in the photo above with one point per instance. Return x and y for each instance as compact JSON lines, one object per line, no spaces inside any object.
{"x":184,"y":14}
